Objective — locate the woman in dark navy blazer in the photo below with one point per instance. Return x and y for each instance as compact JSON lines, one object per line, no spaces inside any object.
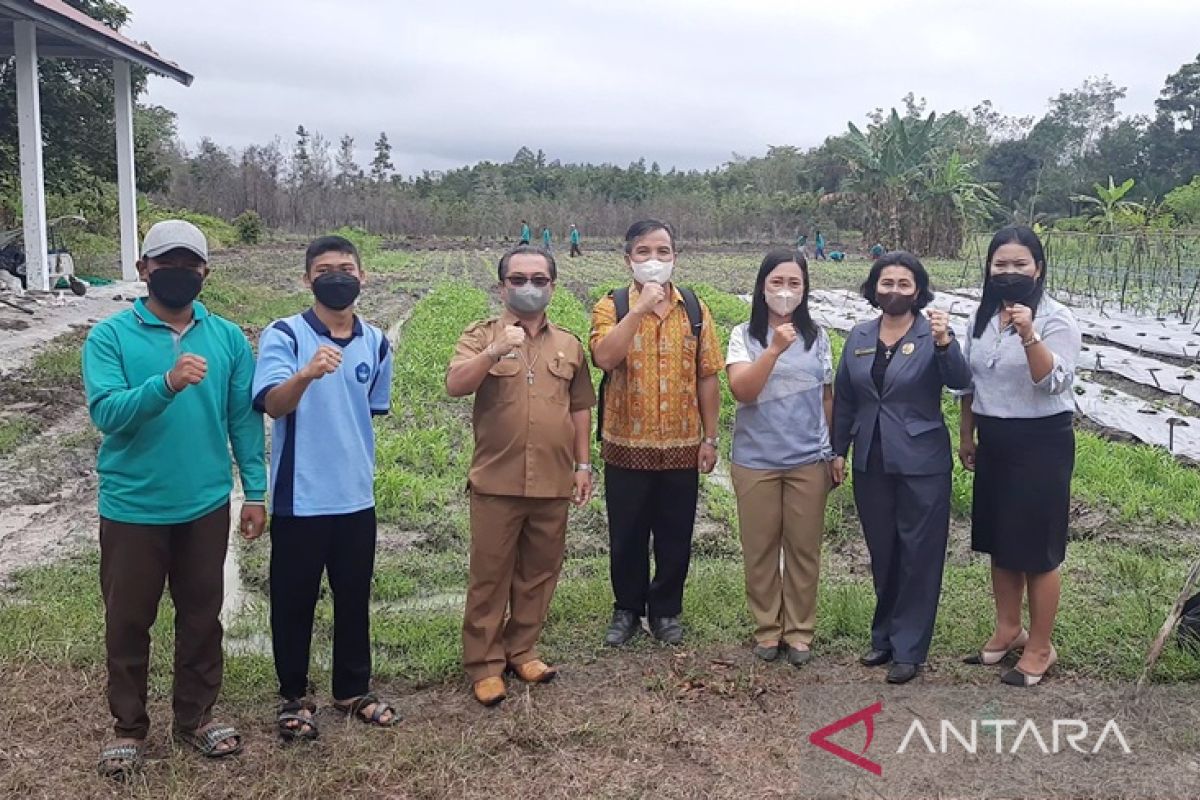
{"x":887,"y":404}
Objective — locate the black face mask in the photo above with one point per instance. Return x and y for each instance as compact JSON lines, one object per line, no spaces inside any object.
{"x":336,"y":290}
{"x":175,"y":287}
{"x":895,"y":304}
{"x":1012,"y":287}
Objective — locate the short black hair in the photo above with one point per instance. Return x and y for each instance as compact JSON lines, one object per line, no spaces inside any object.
{"x":330,"y":244}
{"x":526,"y":250}
{"x":899,"y":258}
{"x":639,"y":229}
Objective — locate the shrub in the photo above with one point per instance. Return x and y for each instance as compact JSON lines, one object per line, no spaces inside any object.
{"x":249,"y":227}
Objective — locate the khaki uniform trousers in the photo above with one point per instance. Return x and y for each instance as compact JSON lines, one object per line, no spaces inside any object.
{"x":517,"y":548}
{"x":782,"y":511}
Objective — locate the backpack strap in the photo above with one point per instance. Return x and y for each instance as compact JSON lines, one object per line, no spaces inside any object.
{"x":620,"y":298}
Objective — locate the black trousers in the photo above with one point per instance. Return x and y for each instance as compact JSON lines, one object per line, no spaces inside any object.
{"x":906,"y":522}
{"x":641,"y":503}
{"x":302,"y":548}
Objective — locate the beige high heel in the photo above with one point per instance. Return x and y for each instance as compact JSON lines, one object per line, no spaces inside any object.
{"x":1015,"y":677}
{"x":989,"y":658}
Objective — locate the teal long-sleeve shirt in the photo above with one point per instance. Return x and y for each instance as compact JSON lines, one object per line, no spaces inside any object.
{"x":164,"y":458}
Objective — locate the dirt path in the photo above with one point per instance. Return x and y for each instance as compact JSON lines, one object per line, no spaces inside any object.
{"x":714,"y":724}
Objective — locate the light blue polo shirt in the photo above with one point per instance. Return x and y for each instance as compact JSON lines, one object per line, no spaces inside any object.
{"x":323,"y":453}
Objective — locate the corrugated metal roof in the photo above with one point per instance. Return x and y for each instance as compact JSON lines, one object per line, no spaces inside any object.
{"x":92,"y":37}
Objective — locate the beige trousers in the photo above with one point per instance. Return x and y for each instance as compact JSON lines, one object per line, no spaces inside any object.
{"x":782,"y":511}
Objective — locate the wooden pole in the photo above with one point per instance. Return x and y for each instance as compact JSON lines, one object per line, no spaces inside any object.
{"x":1169,"y":624}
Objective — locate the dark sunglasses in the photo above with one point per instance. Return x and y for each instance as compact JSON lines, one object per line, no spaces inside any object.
{"x":539,"y":281}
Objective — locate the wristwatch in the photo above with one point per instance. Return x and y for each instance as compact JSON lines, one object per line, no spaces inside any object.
{"x":710,"y":440}
{"x":1032,"y":340}
{"x":583,"y":467}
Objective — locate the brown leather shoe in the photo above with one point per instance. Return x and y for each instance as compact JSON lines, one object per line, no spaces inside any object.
{"x":535,"y":671}
{"x":490,"y":691}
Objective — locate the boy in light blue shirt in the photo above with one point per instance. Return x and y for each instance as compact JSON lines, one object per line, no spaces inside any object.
{"x":322,"y":375}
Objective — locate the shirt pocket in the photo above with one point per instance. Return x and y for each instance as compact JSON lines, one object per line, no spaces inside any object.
{"x":563,"y":372}
{"x":503,"y":381}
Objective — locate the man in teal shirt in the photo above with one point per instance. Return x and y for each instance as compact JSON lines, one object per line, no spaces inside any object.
{"x":169,"y":386}
{"x":575,"y":251}
{"x":546,"y":237}
{"x":525,"y":232}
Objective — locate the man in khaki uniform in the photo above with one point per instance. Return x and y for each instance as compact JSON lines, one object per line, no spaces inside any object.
{"x":532,"y":420}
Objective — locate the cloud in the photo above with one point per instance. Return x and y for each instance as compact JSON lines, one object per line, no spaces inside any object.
{"x":682,"y":83}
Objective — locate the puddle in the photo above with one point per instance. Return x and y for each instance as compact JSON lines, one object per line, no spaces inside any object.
{"x":445,"y":601}
{"x":235,"y":590}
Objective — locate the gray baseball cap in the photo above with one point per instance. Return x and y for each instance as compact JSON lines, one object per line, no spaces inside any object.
{"x":171,"y":233}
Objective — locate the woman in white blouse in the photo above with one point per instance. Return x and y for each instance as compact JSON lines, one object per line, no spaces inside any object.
{"x":1022,"y":347}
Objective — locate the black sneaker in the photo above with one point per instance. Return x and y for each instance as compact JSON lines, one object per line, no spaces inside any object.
{"x":622,"y":628}
{"x":666,"y":629}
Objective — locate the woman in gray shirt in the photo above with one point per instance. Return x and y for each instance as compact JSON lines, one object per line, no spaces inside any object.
{"x":780,"y":371}
{"x":1022,"y":348}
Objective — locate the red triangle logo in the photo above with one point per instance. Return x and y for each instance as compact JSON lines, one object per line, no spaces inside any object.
{"x":867,"y":717}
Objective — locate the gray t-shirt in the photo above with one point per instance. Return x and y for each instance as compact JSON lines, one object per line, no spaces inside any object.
{"x":1001,"y":383}
{"x":785,"y":427}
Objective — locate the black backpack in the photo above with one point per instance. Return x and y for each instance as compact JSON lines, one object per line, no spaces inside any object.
{"x":620,"y":298}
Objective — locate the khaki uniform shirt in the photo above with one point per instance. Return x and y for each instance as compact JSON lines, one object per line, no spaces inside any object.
{"x":524,"y":437}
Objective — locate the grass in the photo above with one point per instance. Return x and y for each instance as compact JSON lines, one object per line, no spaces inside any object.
{"x":1115,"y":593}
{"x":13,"y":431}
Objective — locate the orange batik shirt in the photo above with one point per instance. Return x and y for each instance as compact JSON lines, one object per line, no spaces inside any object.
{"x":651,"y":405}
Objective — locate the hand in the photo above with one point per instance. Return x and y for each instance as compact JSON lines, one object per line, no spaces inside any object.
{"x":652,"y":294}
{"x":512,"y":338}
{"x":837,"y":470}
{"x":188,"y":371}
{"x":1022,"y":320}
{"x":966,"y":454}
{"x":254,"y":519}
{"x":707,"y":458}
{"x":324,"y":362}
{"x":583,"y":488}
{"x":939,"y":324}
{"x":785,"y":336}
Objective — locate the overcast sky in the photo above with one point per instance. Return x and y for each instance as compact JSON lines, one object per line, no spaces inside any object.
{"x":683,"y":82}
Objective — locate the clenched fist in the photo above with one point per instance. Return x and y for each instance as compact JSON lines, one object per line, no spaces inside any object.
{"x":324,"y":362}
{"x":785,"y":337}
{"x":1022,"y":320}
{"x":939,"y":324}
{"x":188,"y":371}
{"x":512,"y":338}
{"x":652,"y":294}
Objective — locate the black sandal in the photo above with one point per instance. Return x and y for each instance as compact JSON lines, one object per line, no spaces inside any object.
{"x":208,"y":741}
{"x":119,"y":761}
{"x":355,"y":707}
{"x":295,"y":726}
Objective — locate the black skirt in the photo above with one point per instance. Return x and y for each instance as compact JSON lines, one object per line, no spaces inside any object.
{"x":1022,"y":494}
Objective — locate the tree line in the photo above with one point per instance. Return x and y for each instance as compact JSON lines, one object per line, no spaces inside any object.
{"x":909,"y":177}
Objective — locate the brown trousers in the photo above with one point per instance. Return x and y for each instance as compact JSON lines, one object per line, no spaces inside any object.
{"x":135,"y":562}
{"x":782,"y":511}
{"x":517,"y":548}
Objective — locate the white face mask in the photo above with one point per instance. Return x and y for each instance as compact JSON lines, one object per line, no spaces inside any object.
{"x":783,"y":302}
{"x":653,"y":271}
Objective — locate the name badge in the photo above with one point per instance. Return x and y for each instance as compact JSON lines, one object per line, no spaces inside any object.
{"x":865,"y":351}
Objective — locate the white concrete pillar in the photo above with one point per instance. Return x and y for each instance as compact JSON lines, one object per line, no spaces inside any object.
{"x":126,"y":180}
{"x":29,"y":130}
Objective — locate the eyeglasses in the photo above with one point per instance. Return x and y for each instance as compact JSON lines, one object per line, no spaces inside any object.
{"x":539,"y":281}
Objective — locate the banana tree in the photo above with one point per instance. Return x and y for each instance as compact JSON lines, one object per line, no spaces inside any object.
{"x":1109,"y":206}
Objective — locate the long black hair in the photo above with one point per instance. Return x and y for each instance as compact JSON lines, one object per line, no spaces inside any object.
{"x":989,"y":304}
{"x":758,"y":301}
